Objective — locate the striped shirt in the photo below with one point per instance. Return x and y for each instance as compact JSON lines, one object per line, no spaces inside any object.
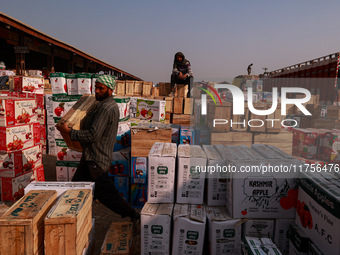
{"x":98,"y":133}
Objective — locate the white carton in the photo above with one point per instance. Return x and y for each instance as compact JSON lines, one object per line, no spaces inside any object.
{"x":281,"y":232}
{"x":216,"y":179}
{"x":190,"y":180}
{"x":72,"y":84}
{"x":270,"y":152}
{"x":161,"y":170}
{"x":84,"y":83}
{"x":189,"y":229}
{"x":124,"y":107}
{"x":58,"y":83}
{"x":224,"y":232}
{"x":150,"y":109}
{"x":251,"y":193}
{"x":258,"y":228}
{"x":61,"y":171}
{"x":133,"y":106}
{"x":156,"y":228}
{"x":318,"y":213}
{"x":60,"y":187}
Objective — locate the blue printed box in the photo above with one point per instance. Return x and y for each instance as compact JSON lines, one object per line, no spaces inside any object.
{"x":139,"y":195}
{"x":123,"y":186}
{"x":120,"y":165}
{"x":139,"y":167}
{"x":187,"y":135}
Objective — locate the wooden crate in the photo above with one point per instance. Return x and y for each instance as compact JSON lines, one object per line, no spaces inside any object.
{"x":182,"y":119}
{"x":69,"y":223}
{"x":169,"y":106}
{"x":282,"y":140}
{"x":178,"y":105}
{"x":240,"y":122}
{"x":138,"y":88}
{"x":155,"y":91}
{"x":232,"y":138}
{"x":324,"y":123}
{"x":129,"y":88}
{"x":181,"y":90}
{"x":142,"y":139}
{"x":118,"y":239}
{"x":188,"y":106}
{"x":120,"y":88}
{"x":3,"y":209}
{"x":22,"y":226}
{"x":333,"y":112}
{"x":164,"y":88}
{"x":147,"y":88}
{"x":274,"y":126}
{"x":158,"y":98}
{"x":219,"y":111}
{"x":74,"y":118}
{"x":315,"y":110}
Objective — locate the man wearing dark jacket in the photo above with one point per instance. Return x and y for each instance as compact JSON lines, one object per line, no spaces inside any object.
{"x":97,"y":138}
{"x":181,"y":73}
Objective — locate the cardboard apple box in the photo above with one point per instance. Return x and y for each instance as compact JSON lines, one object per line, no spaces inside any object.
{"x":161,"y":172}
{"x":156,"y":225}
{"x":62,"y":171}
{"x":72,"y":84}
{"x":62,"y":104}
{"x":61,"y":150}
{"x":58,"y":83}
{"x":190,"y":182}
{"x":39,"y":174}
{"x":84,"y":83}
{"x":19,"y":137}
{"x":13,"y":188}
{"x":6,"y":112}
{"x":150,"y":109}
{"x":10,"y":164}
{"x":329,"y":147}
{"x":29,"y":84}
{"x":25,"y":111}
{"x":124,"y":107}
{"x":31,"y":158}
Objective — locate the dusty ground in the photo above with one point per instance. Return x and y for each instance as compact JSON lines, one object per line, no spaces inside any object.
{"x":103,"y":216}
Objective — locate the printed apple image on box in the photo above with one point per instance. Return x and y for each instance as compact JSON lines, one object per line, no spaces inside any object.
{"x":62,"y":171}
{"x":187,"y":135}
{"x":25,"y":111}
{"x":124,"y":107}
{"x":29,"y":84}
{"x":12,"y":189}
{"x":329,"y":147}
{"x":120,"y":163}
{"x":84,"y":83}
{"x":62,"y":104}
{"x":317,"y":212}
{"x":58,"y":83}
{"x":151,"y":109}
{"x":31,"y":158}
{"x":224,"y":232}
{"x":123,"y":138}
{"x":156,"y":225}
{"x":19,"y":137}
{"x":72,"y":84}
{"x":10,"y":164}
{"x":190,"y":180}
{"x":61,"y":150}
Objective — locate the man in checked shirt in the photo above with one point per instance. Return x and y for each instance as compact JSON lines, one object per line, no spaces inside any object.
{"x":97,"y":138}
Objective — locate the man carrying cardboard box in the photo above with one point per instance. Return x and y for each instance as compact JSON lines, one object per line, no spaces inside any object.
{"x":97,"y":139}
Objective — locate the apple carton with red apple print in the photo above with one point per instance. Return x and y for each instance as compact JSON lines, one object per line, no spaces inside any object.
{"x":29,"y":84}
{"x":31,"y":158}
{"x":13,"y":188}
{"x":62,"y":104}
{"x":84,"y":83}
{"x":329,"y":147}
{"x":123,"y":106}
{"x":10,"y":165}
{"x":17,"y":137}
{"x":25,"y":111}
{"x":72,"y":84}
{"x":150,"y":109}
{"x":62,"y":171}
{"x":73,"y":155}
{"x":58,"y":83}
{"x":6,"y":112}
{"x":317,"y":213}
{"x":62,"y":150}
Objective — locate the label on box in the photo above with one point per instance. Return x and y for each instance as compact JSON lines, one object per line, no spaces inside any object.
{"x":84,"y":83}
{"x":72,"y":84}
{"x":58,"y":84}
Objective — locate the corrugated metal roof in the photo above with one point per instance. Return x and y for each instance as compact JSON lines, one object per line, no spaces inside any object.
{"x":36,"y":33}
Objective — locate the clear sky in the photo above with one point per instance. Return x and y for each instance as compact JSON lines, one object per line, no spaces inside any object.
{"x":219,"y":37}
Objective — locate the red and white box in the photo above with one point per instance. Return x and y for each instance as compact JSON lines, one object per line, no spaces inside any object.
{"x":25,"y":111}
{"x":329,"y":148}
{"x":73,"y":155}
{"x":29,"y":84}
{"x":19,"y":137}
{"x":62,"y":171}
{"x":6,"y":112}
{"x":39,"y":174}
{"x":10,"y":164}
{"x":42,"y":132}
{"x":305,"y":142}
{"x":61,"y":150}
{"x":31,"y":158}
{"x":13,"y":188}
{"x":58,"y":83}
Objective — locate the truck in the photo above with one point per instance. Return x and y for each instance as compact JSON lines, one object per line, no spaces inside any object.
{"x":319,"y":76}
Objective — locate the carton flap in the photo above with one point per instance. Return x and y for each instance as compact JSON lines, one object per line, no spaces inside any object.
{"x":165,"y":209}
{"x":215,"y":213}
{"x":184,"y":151}
{"x":197,"y":213}
{"x":211,"y":152}
{"x":157,"y":149}
{"x":169,"y":150}
{"x":180,"y":210}
{"x":149,"y":209}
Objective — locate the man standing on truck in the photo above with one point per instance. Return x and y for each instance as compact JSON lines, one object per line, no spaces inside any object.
{"x":97,"y":139}
{"x":249,"y":68}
